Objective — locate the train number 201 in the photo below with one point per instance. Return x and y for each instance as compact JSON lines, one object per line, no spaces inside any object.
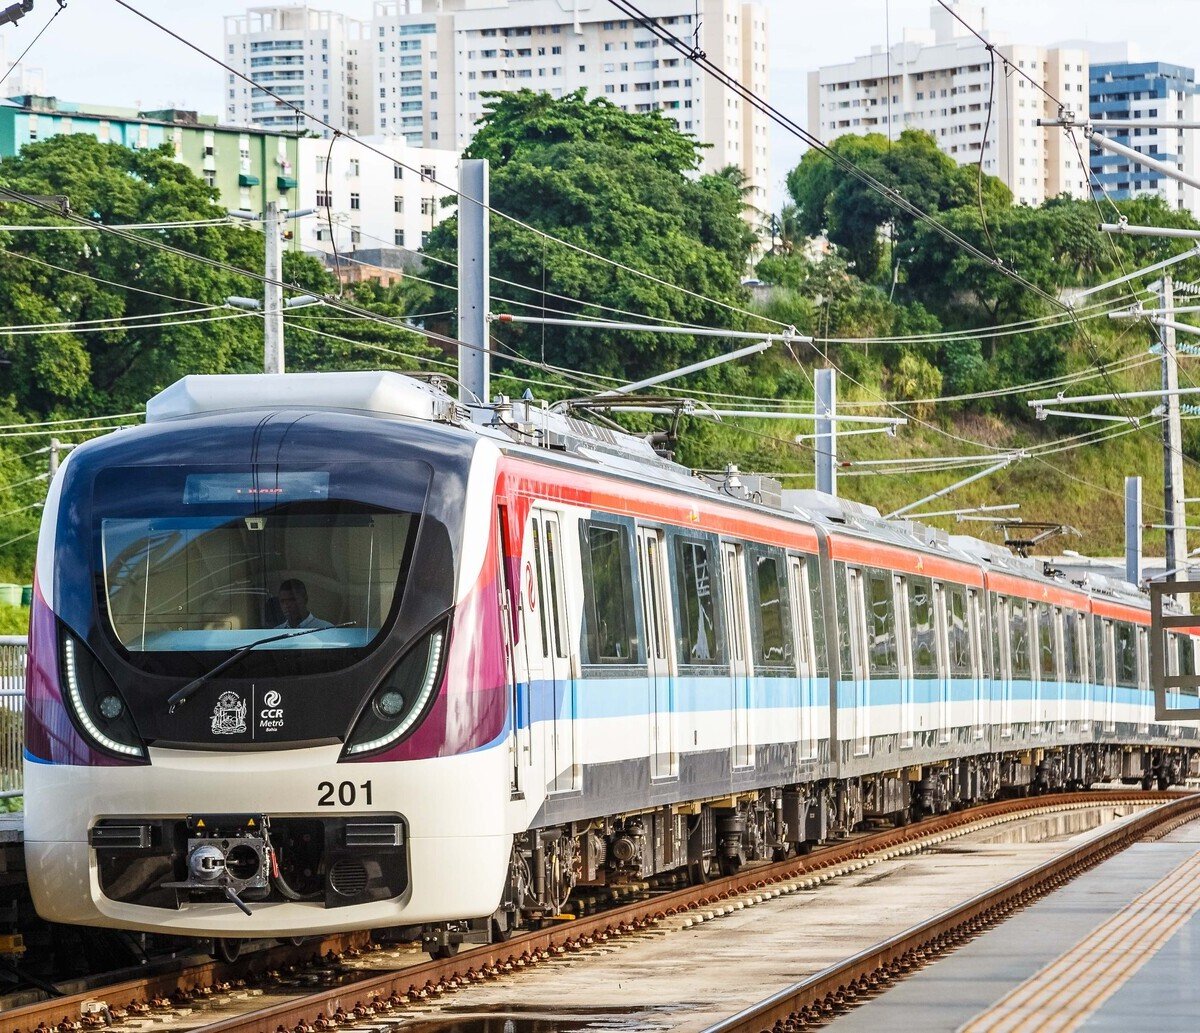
{"x":346,"y":794}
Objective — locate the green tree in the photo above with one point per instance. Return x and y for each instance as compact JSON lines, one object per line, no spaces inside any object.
{"x":619,"y":184}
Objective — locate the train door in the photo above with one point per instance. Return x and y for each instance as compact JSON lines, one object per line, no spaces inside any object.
{"x":858,"y":653}
{"x":805,"y":650}
{"x":1110,"y":673}
{"x":945,"y":719}
{"x":1004,"y":663}
{"x":980,"y":715}
{"x":551,"y":688}
{"x":518,"y":697}
{"x":904,"y":656}
{"x":1145,"y":697}
{"x":737,"y":619}
{"x":1061,"y":619}
{"x":656,"y":613}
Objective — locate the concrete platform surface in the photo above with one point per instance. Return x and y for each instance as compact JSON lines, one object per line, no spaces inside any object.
{"x":1116,"y":950}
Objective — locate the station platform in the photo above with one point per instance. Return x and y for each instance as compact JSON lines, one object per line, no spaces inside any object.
{"x":1117,"y":949}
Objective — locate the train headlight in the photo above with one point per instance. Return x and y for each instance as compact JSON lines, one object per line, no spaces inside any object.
{"x":94,"y":702}
{"x":401,"y":699}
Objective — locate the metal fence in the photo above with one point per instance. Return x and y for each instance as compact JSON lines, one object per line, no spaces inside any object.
{"x":12,"y":714}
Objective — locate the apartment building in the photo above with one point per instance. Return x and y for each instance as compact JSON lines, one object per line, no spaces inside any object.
{"x":939,"y":79}
{"x":1124,"y":86}
{"x":247,"y":166}
{"x":312,"y":58}
{"x":420,"y":70}
{"x":367,"y":202}
{"x":20,"y":79}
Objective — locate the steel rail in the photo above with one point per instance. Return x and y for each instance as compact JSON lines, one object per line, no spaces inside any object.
{"x":390,"y":992}
{"x":815,"y":1000}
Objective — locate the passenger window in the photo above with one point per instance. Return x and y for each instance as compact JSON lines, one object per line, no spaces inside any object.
{"x":1098,"y":649}
{"x":1187,"y":655}
{"x":1125,"y":654}
{"x":959,"y":634}
{"x":698,"y":641}
{"x":842,"y":598}
{"x":775,"y":640}
{"x":997,"y":612}
{"x":610,"y":624}
{"x":1071,"y":645}
{"x":555,"y":572}
{"x":817,"y":601}
{"x":881,"y":623}
{"x":540,"y":602}
{"x":1018,"y":631}
{"x":920,"y":615}
{"x":1047,"y":665}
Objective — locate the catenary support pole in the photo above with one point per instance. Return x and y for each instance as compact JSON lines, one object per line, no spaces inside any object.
{"x":1173,"y":493}
{"x":1133,"y":530}
{"x":273,"y":290}
{"x":474,"y":281}
{"x":826,"y":443}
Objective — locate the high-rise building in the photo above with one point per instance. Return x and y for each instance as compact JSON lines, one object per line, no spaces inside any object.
{"x":315,"y":59}
{"x":940,"y":80}
{"x":422,"y":69}
{"x":1123,"y":86}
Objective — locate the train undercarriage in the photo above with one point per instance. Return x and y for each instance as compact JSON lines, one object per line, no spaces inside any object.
{"x":703,"y":839}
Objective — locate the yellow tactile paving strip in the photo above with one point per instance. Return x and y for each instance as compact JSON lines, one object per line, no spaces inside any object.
{"x":1073,"y":986}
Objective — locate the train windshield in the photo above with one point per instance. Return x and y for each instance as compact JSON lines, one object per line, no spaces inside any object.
{"x":215,"y":560}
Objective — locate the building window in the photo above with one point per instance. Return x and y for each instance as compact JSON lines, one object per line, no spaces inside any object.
{"x":353,"y":167}
{"x":355,"y":235}
{"x":426,"y":205}
{"x":398,"y":204}
{"x":428,"y":172}
{"x":324,"y":199}
{"x":397,"y":172}
{"x":398,"y":238}
{"x":354,"y":202}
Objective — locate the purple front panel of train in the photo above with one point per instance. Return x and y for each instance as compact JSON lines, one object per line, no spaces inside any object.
{"x":50,"y":737}
{"x":471,"y":709}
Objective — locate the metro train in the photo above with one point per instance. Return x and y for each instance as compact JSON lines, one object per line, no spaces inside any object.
{"x":320,"y":652}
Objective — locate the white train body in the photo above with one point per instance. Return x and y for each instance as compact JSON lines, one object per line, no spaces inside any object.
{"x":554,"y":660}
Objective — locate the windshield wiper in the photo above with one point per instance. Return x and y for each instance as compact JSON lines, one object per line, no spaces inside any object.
{"x":182,"y":695}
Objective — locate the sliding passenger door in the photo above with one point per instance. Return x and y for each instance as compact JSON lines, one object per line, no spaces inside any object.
{"x":737,"y":620}
{"x":942,"y":656}
{"x":975,"y":641}
{"x":656,"y":613}
{"x":904,"y":654}
{"x":859,"y":659}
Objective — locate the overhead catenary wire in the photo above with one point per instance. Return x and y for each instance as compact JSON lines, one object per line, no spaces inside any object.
{"x":62,"y":6}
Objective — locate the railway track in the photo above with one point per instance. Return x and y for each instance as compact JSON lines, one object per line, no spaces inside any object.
{"x":816,"y":1000}
{"x":376,"y":995}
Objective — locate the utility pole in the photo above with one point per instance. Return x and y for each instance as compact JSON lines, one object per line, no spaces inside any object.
{"x":1173,"y":491}
{"x":1133,"y":530}
{"x":272,"y":310}
{"x":826,"y":427}
{"x":474,"y":281}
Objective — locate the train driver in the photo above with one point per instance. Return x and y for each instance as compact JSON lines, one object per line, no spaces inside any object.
{"x":293,"y":601}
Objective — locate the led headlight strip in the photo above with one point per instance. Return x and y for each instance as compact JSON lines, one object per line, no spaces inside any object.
{"x":75,"y":698}
{"x":418,"y":707}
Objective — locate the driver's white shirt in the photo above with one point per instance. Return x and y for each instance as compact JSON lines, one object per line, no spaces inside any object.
{"x":309,"y":622}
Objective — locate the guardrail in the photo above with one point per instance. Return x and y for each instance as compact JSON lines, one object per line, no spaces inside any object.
{"x":12,"y":715}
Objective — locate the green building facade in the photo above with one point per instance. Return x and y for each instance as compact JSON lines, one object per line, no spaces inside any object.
{"x":248,"y":167}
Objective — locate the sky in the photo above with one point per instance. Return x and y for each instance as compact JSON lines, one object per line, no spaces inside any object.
{"x":97,"y":50}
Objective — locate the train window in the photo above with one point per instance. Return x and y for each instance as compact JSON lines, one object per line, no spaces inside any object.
{"x":609,"y":619}
{"x":774,"y":629}
{"x":1125,"y":654}
{"x":959,"y":636}
{"x":881,"y":622}
{"x":541,"y":584}
{"x":1101,"y":671}
{"x":1071,"y":651}
{"x":996,"y":609}
{"x":694,"y":589}
{"x":1187,"y":655}
{"x":554,"y":566}
{"x":920,"y":617}
{"x":817,"y":608}
{"x":1047,"y":666}
{"x":841,"y":596}
{"x":1018,"y":639}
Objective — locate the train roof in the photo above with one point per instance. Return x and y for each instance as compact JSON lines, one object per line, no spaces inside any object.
{"x":535,"y":428}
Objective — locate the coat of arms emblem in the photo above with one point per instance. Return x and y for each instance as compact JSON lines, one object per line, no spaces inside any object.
{"x":229,"y":715}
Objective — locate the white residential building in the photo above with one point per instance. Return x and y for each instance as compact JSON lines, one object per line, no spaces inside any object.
{"x":421,"y":69}
{"x":939,"y":80}
{"x":21,"y":80}
{"x":312,"y":58}
{"x":372,"y":202}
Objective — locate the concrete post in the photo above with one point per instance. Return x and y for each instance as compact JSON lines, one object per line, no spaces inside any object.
{"x":826,"y":428}
{"x":474,"y":282}
{"x":272,"y":309}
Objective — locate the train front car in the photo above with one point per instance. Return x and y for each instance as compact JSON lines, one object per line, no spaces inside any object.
{"x":266,"y":691}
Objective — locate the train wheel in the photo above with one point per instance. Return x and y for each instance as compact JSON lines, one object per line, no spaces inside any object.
{"x":227,"y":949}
